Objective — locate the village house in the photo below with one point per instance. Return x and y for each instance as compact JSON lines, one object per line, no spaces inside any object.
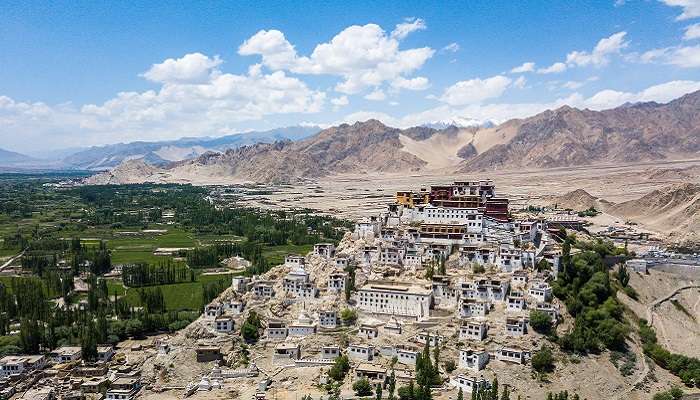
{"x":370,"y":255}
{"x":234,"y":307}
{"x":406,"y":356}
{"x":367,"y":228}
{"x":17,"y":365}
{"x":485,"y":289}
{"x":240,"y":284}
{"x":286,"y":351}
{"x":104,"y":353}
{"x":263,"y":289}
{"x":395,"y":298}
{"x":276,"y":330}
{"x":473,"y":308}
{"x":540,"y":291}
{"x":375,"y":374}
{"x":512,"y":354}
{"x":303,"y":326}
{"x":516,"y":301}
{"x":519,"y":278}
{"x":224,"y":324}
{"x":297,"y":284}
{"x":391,"y":255}
{"x":469,"y":383}
{"x":328,"y":319}
{"x":213,"y":310}
{"x":342,"y":262}
{"x":509,"y":258}
{"x":476,"y":254}
{"x":325,"y":250}
{"x":473,"y":330}
{"x":66,"y":354}
{"x":294,"y":261}
{"x":123,"y":389}
{"x":549,"y":309}
{"x":472,"y":359}
{"x":330,"y":352}
{"x":361,"y":352}
{"x":337,"y":280}
{"x":516,"y":327}
{"x":435,"y":339}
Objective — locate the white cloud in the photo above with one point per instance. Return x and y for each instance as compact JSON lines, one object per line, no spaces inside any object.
{"x":364,"y":56}
{"x":680,"y":56}
{"x":691,"y":8}
{"x":520,"y":82}
{"x":376,"y":95}
{"x":339,"y":102}
{"x":553,"y":69}
{"x":451,"y":48}
{"x":600,"y":54}
{"x":525,"y":67}
{"x":411,"y":25}
{"x":417,"y":83}
{"x":692,"y":32}
{"x":573,"y":85}
{"x":661,"y":93}
{"x":475,"y":91}
{"x":276,"y":51}
{"x":191,"y":68}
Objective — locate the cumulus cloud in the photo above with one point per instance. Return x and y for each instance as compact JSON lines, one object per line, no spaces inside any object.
{"x":501,"y":112}
{"x":600,"y":54}
{"x":573,"y":85}
{"x":553,"y":69}
{"x":376,"y":95}
{"x":524,"y":67}
{"x":191,"y":68}
{"x":195,"y":98}
{"x":692,"y":32}
{"x":364,"y":56}
{"x":417,"y":83}
{"x":411,"y":25}
{"x":475,"y":91}
{"x":680,"y":56}
{"x":691,"y":8}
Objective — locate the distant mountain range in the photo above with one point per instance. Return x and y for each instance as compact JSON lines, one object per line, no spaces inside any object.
{"x":555,"y":138}
{"x":158,"y":153}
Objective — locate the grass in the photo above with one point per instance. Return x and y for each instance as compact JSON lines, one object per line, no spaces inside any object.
{"x":180,"y":296}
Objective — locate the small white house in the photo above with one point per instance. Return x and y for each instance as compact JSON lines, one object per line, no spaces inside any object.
{"x":516,"y":327}
{"x":473,"y":330}
{"x":475,"y":360}
{"x":369,"y":331}
{"x":276,"y":330}
{"x":104,"y":353}
{"x":405,"y":356}
{"x":638,"y":265}
{"x":330,"y":352}
{"x":468,"y":383}
{"x":66,"y":354}
{"x":361,"y":352}
{"x":512,"y":354}
{"x":325,"y":250}
{"x":17,"y":365}
{"x":286,"y":351}
{"x":213,"y":310}
{"x":224,"y":324}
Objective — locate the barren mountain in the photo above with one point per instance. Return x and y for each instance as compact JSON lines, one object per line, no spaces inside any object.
{"x":674,"y":210}
{"x":579,"y":200}
{"x":568,"y":136}
{"x":687,"y":174}
{"x":362,"y":147}
{"x":563,"y":137}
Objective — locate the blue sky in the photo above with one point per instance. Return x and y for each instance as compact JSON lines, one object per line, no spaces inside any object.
{"x":76,"y":74}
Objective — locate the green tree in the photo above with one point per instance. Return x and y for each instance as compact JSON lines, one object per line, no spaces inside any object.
{"x":540,"y":322}
{"x":340,"y":368}
{"x":392,"y":385}
{"x":543,"y":360}
{"x":348,"y":316}
{"x":362,"y":387}
{"x":623,"y":276}
{"x":378,"y":392}
{"x":460,"y":394}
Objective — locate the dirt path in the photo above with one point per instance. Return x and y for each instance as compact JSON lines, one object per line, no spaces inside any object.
{"x":659,"y":301}
{"x":11,"y":260}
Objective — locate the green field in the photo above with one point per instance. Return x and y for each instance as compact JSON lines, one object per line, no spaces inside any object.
{"x":178,"y":296}
{"x":276,"y":254}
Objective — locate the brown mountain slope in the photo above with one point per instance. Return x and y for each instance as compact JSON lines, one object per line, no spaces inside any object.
{"x":568,"y":136}
{"x":362,"y":147}
{"x":674,"y":210}
{"x":579,"y":200}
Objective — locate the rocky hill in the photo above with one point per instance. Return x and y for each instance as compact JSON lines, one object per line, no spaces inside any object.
{"x":579,"y":200}
{"x":674,"y":210}
{"x":568,"y":136}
